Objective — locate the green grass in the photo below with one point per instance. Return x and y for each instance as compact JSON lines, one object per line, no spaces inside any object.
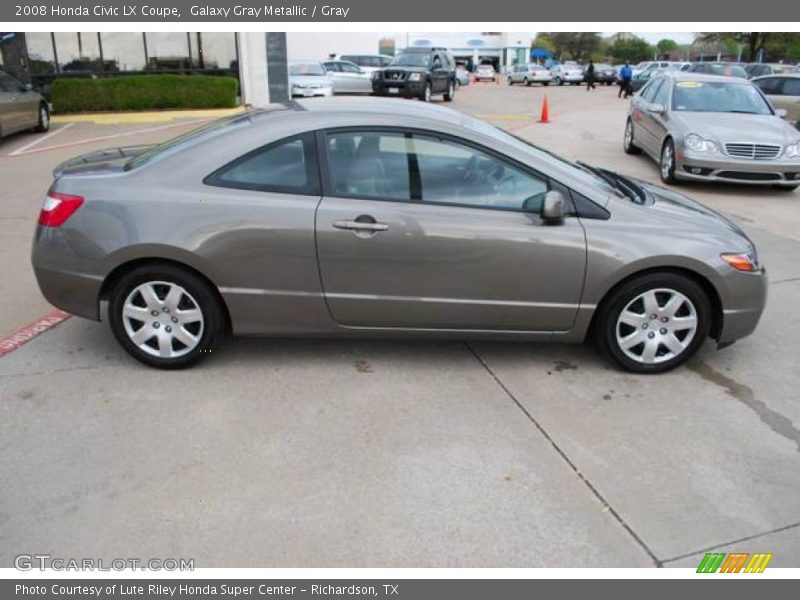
{"x":143,"y":92}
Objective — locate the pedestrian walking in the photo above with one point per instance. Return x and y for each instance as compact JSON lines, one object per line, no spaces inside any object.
{"x":625,"y":76}
{"x":590,"y":76}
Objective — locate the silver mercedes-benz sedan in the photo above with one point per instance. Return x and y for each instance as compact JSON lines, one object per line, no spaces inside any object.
{"x":366,"y":217}
{"x":713,"y":128}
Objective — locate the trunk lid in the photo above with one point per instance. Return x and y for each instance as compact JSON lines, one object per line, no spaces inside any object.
{"x":100,"y":161}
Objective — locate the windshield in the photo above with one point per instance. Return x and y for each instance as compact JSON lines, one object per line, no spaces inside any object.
{"x":307,"y":68}
{"x":411,"y":59}
{"x":718,"y":96}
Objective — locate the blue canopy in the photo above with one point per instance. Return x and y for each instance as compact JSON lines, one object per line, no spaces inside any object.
{"x":540,"y":53}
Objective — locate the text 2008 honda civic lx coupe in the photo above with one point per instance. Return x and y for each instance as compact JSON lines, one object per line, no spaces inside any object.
{"x":367,"y":217}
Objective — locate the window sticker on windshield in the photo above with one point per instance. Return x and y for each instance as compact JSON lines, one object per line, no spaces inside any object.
{"x":689,"y":84}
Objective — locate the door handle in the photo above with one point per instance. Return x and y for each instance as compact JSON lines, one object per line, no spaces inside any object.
{"x":360,"y":226}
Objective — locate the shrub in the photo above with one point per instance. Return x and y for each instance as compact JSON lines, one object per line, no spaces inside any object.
{"x":143,"y":92}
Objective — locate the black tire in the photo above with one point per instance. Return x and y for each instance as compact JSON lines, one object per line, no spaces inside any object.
{"x":44,"y":119}
{"x":545,"y":83}
{"x":426,"y":93}
{"x":605,"y":325}
{"x":628,"y":142}
{"x":527,"y":82}
{"x":203,"y":295}
{"x":510,"y":81}
{"x":667,"y":173}
{"x":450,"y":94}
{"x":784,"y":188}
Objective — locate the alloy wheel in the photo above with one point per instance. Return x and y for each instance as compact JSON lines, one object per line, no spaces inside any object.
{"x":162,"y":319}
{"x":44,"y":118}
{"x":656,"y":326}
{"x":667,"y":162}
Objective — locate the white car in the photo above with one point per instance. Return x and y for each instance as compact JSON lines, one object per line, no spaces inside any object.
{"x":484,"y":72}
{"x":367,"y":62}
{"x":309,"y":78}
{"x":529,"y":74}
{"x":348,"y":78}
{"x":567,"y":73}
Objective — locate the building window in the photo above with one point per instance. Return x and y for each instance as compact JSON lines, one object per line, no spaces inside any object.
{"x":123,"y":51}
{"x":78,"y":52}
{"x":40,"y":53}
{"x":167,"y":51}
{"x":215,"y":50}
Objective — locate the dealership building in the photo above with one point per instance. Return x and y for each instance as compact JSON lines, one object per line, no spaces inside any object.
{"x":256,"y":59}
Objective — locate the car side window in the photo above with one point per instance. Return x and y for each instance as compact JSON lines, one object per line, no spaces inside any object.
{"x":331,"y":67}
{"x":286,"y":166}
{"x":769,"y":85}
{"x":652,"y":90}
{"x":370,"y":164}
{"x":9,"y":84}
{"x":454,"y":173}
{"x":345,"y":68}
{"x":791,"y":87}
{"x":662,"y":93}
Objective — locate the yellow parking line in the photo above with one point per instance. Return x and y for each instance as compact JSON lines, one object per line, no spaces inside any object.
{"x":154,"y":116}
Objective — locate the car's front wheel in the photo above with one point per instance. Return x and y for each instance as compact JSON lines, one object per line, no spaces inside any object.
{"x":450,"y":94}
{"x":667,"y":164}
{"x":426,"y":93}
{"x":165,"y":316}
{"x":44,"y":119}
{"x":653,"y":323}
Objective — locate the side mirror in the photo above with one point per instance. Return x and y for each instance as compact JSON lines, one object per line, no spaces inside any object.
{"x":781,"y":112}
{"x":28,"y":87}
{"x":659,"y":109}
{"x":553,"y":206}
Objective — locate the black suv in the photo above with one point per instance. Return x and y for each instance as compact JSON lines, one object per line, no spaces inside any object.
{"x":417,"y":73}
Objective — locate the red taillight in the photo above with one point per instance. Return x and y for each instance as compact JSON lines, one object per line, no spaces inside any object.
{"x":58,"y":208}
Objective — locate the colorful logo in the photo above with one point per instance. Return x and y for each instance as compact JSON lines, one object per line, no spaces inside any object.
{"x":735,"y":562}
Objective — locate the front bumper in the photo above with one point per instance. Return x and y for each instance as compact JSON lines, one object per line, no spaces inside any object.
{"x":743,"y":301}
{"x":399,"y":89}
{"x":717,"y":167}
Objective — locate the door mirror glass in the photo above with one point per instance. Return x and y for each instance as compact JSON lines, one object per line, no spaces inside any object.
{"x":781,"y":112}
{"x":553,"y":206}
{"x":656,"y":108}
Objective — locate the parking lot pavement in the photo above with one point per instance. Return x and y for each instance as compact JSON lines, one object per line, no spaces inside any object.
{"x":344,"y":453}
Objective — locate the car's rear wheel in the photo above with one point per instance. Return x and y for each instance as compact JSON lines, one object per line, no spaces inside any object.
{"x":667,"y":164}
{"x":510,"y":81}
{"x":450,"y":94}
{"x":653,"y":323}
{"x":44,"y":119}
{"x":628,"y":141}
{"x":165,"y":316}
{"x":527,"y":82}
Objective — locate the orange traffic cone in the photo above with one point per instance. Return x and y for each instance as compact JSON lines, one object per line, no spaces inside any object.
{"x":545,"y":118}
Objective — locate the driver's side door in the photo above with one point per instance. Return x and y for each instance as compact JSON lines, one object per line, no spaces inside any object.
{"x":420,"y":231}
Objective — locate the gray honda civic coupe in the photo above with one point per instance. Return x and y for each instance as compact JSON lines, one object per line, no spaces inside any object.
{"x":366,"y":217}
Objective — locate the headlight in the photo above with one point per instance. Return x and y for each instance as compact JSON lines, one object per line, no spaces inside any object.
{"x":698,"y":144}
{"x":741,"y":262}
{"x":415,"y":77}
{"x":792,"y":151}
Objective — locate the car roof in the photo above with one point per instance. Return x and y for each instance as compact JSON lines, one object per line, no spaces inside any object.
{"x":379,"y":106}
{"x":693,"y":76}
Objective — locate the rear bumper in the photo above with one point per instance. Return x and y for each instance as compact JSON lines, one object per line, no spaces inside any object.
{"x":65,"y":281}
{"x":749,"y":172}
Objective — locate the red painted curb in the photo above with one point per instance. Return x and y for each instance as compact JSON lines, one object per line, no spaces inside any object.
{"x":27,"y":333}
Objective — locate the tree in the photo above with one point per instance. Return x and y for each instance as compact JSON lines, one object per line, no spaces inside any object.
{"x":666,"y":47}
{"x":543,"y":41}
{"x":631,"y":50}
{"x":574,"y":45}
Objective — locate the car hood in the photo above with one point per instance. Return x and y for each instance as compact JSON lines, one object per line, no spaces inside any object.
{"x":677,"y":207}
{"x":737,"y":127}
{"x":309,"y":79}
{"x":108,"y":160}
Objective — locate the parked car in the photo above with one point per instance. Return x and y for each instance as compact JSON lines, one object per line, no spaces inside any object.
{"x":348,"y":78}
{"x":20,"y":107}
{"x":485,"y":72}
{"x":718,"y":68}
{"x":566,"y":73}
{"x":309,"y":78}
{"x":603,"y":73}
{"x":784,"y":93}
{"x":418,"y":73}
{"x":462,"y":76}
{"x":529,"y":74}
{"x":368,"y":62}
{"x":655,"y":67}
{"x":760,"y":69}
{"x":309,"y":222}
{"x":712,"y":128}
